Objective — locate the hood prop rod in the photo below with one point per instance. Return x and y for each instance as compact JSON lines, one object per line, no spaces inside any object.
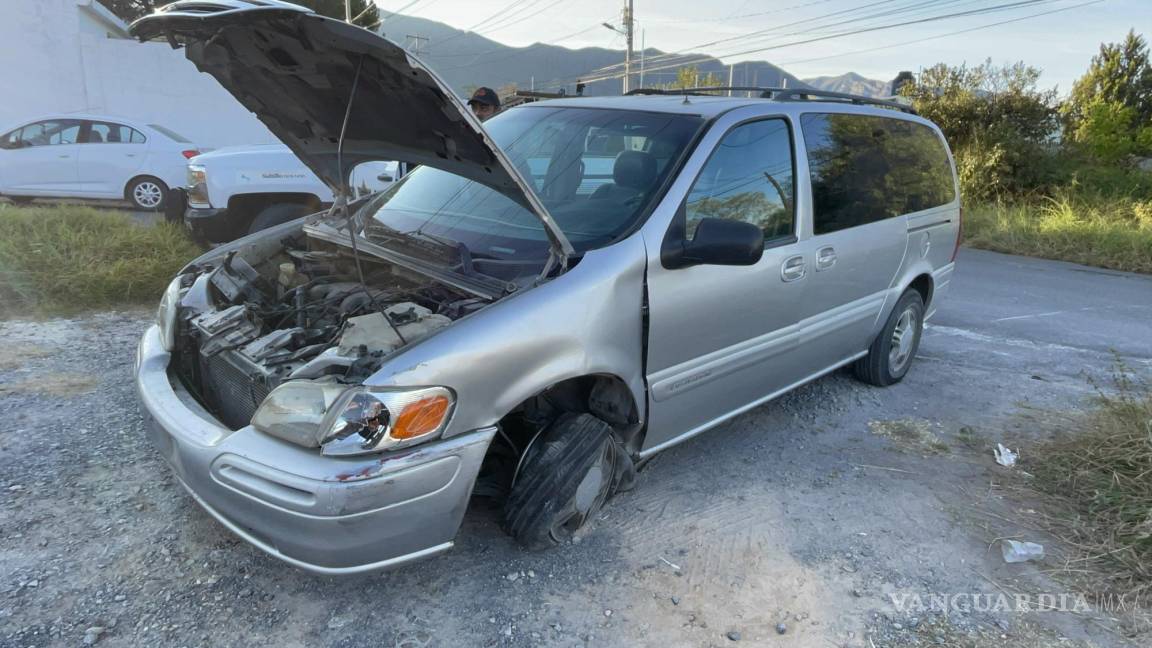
{"x":342,"y":202}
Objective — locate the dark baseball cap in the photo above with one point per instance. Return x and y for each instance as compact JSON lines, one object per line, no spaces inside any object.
{"x":486,"y":96}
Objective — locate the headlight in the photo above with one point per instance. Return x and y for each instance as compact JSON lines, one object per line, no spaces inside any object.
{"x":350,"y":421}
{"x":198,"y":185}
{"x":166,"y":314}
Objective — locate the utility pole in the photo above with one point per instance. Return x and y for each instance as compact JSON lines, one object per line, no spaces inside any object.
{"x":348,"y":11}
{"x":415,"y":44}
{"x":643,"y":47}
{"x":731,"y":71}
{"x":628,"y":35}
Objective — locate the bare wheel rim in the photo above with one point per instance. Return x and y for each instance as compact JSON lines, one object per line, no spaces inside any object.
{"x":903,"y":338}
{"x":147,"y":194}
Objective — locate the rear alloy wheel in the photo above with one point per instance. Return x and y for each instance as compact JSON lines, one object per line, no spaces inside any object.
{"x":147,"y":193}
{"x":567,"y":475}
{"x":891,"y":353}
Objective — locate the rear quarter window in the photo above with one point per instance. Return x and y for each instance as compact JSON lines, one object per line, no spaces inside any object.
{"x":866,"y":168}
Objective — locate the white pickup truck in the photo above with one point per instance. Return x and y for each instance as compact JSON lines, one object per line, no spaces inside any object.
{"x":234,"y":191}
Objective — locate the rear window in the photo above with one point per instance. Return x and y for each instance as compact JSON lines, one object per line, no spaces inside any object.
{"x":866,"y":168}
{"x":170,"y":134}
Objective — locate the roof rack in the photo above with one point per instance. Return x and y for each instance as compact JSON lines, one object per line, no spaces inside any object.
{"x":782,"y":94}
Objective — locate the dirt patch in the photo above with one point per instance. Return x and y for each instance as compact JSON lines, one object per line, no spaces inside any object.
{"x":14,"y":356}
{"x":915,"y":434}
{"x":52,"y":384}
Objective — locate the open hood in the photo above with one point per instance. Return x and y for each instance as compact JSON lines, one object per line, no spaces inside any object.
{"x":295,"y":70}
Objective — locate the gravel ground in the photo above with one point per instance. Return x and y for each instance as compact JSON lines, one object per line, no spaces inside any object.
{"x":801,"y":523}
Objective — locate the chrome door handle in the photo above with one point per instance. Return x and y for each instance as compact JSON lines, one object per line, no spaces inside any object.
{"x":62,"y":155}
{"x":825,"y":258}
{"x":792,"y":268}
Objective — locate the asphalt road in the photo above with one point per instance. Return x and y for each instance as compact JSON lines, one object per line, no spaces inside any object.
{"x":807,"y":515}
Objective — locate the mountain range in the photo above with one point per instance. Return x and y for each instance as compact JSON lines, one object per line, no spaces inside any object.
{"x":465,"y":60}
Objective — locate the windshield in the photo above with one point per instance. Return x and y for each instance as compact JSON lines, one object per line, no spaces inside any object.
{"x":595,"y":170}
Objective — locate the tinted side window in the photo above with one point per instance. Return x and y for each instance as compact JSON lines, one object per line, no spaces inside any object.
{"x":108,"y":132}
{"x":11,"y":140}
{"x":867,"y":168}
{"x":55,"y":131}
{"x":749,"y":177}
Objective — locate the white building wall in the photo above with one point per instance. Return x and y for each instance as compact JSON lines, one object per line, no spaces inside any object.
{"x":59,"y":56}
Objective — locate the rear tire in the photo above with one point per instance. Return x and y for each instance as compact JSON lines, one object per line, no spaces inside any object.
{"x":571,"y":469}
{"x":278,"y":215}
{"x":147,"y":193}
{"x":893,"y":350}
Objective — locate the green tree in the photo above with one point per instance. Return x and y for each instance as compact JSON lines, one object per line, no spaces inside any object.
{"x":129,"y":10}
{"x":1122,"y":74}
{"x":364,"y":12}
{"x":689,"y":77}
{"x":1109,"y":114}
{"x":997,"y":121}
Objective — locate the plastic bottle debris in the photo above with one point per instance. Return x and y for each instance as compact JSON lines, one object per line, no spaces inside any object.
{"x":1004,"y":456}
{"x":1017,"y":552}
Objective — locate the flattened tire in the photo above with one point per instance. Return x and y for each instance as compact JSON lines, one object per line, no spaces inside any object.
{"x":278,"y":215}
{"x":891,"y":353}
{"x":570,"y":471}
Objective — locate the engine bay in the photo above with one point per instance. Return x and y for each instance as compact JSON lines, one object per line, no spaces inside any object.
{"x":250,"y":322}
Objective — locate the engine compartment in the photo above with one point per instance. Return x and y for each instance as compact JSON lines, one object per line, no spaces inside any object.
{"x":250,"y":322}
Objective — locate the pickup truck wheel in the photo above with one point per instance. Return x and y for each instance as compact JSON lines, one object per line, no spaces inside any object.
{"x":278,"y":215}
{"x":147,"y":193}
{"x":568,"y":473}
{"x":892,"y":351}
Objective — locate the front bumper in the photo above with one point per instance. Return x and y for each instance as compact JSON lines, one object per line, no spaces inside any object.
{"x":324,"y":514}
{"x":210,"y":224}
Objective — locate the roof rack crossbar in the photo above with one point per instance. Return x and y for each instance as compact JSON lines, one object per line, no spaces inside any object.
{"x":781,"y":94}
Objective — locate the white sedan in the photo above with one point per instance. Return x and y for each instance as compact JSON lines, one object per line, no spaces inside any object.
{"x":91,"y":156}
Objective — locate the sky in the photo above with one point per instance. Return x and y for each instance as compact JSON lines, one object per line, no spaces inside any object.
{"x":1060,"y":43}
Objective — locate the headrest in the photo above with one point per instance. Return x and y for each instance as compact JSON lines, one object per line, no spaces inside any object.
{"x":635,"y":170}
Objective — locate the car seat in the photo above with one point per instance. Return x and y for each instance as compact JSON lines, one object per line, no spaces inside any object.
{"x":633,"y":173}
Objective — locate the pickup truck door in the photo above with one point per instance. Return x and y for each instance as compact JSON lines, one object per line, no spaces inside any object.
{"x":723,"y":338}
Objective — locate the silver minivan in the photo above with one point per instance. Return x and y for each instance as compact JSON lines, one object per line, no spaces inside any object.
{"x":545,"y":302}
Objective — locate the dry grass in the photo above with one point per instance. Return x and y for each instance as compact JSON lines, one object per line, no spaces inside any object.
{"x":1105,"y":232}
{"x":65,"y":259}
{"x":52,"y":384}
{"x":1100,"y":471}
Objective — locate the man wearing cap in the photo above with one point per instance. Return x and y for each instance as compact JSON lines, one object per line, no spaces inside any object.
{"x":484,"y":103}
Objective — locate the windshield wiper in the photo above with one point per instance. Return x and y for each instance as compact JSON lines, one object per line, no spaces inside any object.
{"x":462,"y":254}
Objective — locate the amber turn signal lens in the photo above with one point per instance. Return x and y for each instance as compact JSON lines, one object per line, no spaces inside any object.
{"x":420,"y":417}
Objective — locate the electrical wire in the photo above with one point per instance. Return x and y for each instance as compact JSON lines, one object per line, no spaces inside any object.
{"x":705,"y":58}
{"x":954,"y":33}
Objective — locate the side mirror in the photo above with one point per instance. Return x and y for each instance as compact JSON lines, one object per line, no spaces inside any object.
{"x":720,"y":242}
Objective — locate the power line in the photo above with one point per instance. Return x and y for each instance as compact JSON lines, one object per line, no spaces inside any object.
{"x":954,"y":33}
{"x":768,"y":33}
{"x":702,"y":58}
